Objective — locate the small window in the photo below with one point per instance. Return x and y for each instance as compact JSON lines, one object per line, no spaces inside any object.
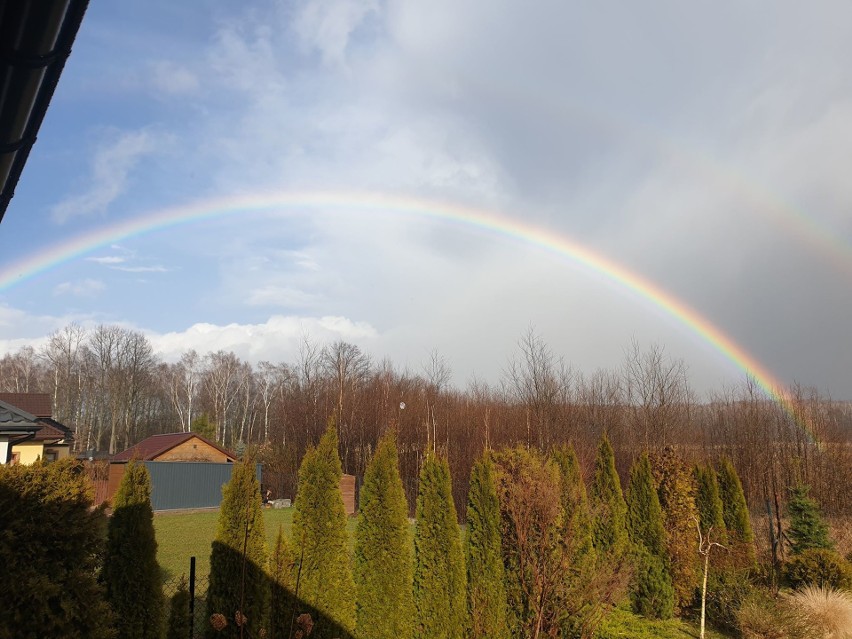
{"x":16,"y":459}
{"x":50,"y":455}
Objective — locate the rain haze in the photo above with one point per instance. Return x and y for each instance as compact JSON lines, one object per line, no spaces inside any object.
{"x":411,"y":177}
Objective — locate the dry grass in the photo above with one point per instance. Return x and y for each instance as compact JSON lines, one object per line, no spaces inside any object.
{"x":763,"y":617}
{"x":828,"y":611}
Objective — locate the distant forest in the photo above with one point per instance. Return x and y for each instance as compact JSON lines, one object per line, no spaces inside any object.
{"x":109,"y":385}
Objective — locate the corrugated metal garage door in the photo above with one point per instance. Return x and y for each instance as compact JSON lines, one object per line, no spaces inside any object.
{"x":176,"y":485}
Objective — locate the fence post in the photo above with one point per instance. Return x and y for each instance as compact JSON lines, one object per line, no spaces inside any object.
{"x":191,"y":597}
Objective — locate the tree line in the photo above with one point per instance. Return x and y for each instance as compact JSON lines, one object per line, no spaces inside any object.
{"x":548,"y":551}
{"x":109,"y":384}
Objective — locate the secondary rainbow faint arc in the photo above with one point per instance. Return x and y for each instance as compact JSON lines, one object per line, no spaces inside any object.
{"x":491,"y":221}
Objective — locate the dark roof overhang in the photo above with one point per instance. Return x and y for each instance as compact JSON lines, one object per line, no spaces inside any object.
{"x":35,"y":40}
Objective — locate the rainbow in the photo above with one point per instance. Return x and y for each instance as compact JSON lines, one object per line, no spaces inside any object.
{"x":490,"y":221}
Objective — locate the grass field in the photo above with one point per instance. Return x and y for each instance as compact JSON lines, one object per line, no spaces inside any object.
{"x":183,"y":535}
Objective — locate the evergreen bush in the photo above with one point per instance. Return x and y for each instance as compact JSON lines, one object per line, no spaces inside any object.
{"x":609,"y":511}
{"x":485,"y":572}
{"x":51,"y":549}
{"x":807,"y":529}
{"x":383,"y":562}
{"x":321,"y":540}
{"x":581,"y":599}
{"x":726,"y":593}
{"x":534,"y":553}
{"x":709,"y":503}
{"x":651,"y":592}
{"x":439,"y":568}
{"x":677,"y":500}
{"x":644,"y":514}
{"x":736,"y":516}
{"x":238,"y":582}
{"x":282,"y":588}
{"x":178,"y":624}
{"x":818,"y":567}
{"x":131,"y":574}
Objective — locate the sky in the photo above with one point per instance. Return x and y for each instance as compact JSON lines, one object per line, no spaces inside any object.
{"x":444,"y":176}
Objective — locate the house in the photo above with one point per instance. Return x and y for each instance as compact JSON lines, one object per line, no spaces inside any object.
{"x":187,"y":447}
{"x":16,"y":426}
{"x":187,"y":470}
{"x":50,"y":442}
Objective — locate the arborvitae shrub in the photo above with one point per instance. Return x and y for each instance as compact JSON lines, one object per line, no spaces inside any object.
{"x":651,"y":592}
{"x":131,"y":573}
{"x":609,"y":512}
{"x":807,"y":529}
{"x":238,"y":579}
{"x":439,"y":568}
{"x":677,"y":500}
{"x":726,"y":592}
{"x":485,"y":572}
{"x":534,"y":554}
{"x":282,"y":588}
{"x":383,"y":562}
{"x":51,"y":549}
{"x":321,"y":540}
{"x":178,"y":624}
{"x":581,"y":599}
{"x":709,"y":503}
{"x":736,"y":515}
{"x":818,"y":567}
{"x":644,"y":515}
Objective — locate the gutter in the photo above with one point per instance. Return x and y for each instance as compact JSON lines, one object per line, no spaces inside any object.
{"x":12,"y":444}
{"x":35,"y":41}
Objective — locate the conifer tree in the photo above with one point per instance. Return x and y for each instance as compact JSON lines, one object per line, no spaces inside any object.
{"x":644,"y":514}
{"x":383,"y":562}
{"x":609,"y":532}
{"x":577,"y":517}
{"x":807,"y":528}
{"x":131,"y":573}
{"x":238,"y":580}
{"x":676,"y":492}
{"x":51,"y":549}
{"x":736,"y":516}
{"x":321,"y":540}
{"x":708,"y":502}
{"x":282,"y":584}
{"x":485,"y":572}
{"x":579,"y":597}
{"x":651,"y":592}
{"x":439,"y":569}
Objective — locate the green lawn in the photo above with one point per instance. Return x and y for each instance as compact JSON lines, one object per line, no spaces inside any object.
{"x":182,"y":535}
{"x":622,"y":624}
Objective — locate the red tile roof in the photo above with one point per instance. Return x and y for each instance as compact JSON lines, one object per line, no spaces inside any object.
{"x":151,"y":448}
{"x":53,"y":430}
{"x":38,"y":404}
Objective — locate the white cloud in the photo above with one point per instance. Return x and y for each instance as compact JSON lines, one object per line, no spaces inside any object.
{"x":277,"y":339}
{"x":107,"y":259}
{"x":141,"y":269}
{"x":111,"y":166}
{"x":327,"y":25}
{"x":80,"y":288}
{"x":173,"y":79}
